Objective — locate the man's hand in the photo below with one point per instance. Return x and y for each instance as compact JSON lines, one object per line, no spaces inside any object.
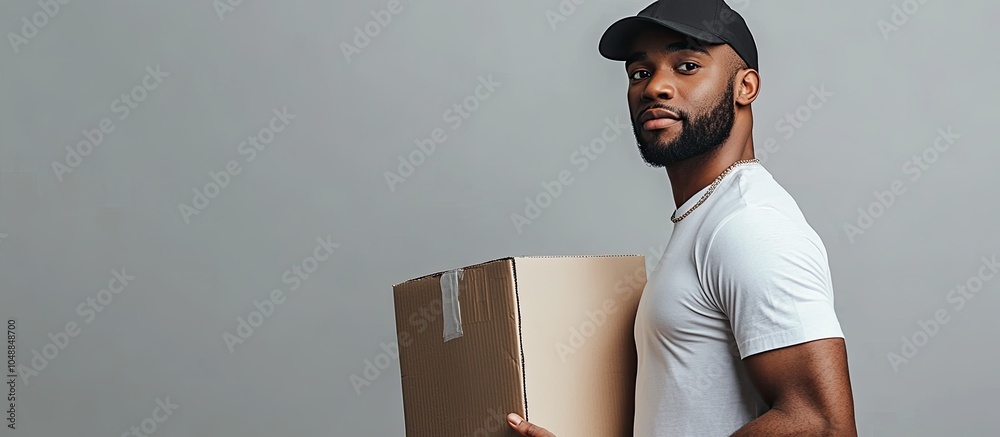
{"x":526,"y":428}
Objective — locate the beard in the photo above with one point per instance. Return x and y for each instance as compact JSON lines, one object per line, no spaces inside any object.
{"x":698,"y":137}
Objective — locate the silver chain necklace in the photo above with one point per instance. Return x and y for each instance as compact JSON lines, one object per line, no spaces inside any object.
{"x":712,"y":188}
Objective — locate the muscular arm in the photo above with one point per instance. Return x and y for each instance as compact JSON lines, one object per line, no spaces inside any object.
{"x":808,"y":388}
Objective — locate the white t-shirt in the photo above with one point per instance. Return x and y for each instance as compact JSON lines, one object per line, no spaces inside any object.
{"x":742,"y":274}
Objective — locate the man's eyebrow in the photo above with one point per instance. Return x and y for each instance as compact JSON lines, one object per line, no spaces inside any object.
{"x":635,"y":57}
{"x":671,"y":48}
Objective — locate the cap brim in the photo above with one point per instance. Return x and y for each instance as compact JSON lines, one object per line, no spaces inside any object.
{"x":616,"y":42}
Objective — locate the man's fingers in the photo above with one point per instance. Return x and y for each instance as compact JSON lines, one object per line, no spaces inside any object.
{"x":526,"y":428}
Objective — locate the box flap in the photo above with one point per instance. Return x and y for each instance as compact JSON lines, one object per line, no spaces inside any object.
{"x":438,"y":274}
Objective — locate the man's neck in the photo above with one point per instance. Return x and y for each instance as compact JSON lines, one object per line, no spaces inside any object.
{"x":692,"y":175}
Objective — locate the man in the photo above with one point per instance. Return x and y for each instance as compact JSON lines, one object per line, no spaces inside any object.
{"x":736,"y":331}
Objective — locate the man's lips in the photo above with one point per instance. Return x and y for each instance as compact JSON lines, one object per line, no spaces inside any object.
{"x":658,"y":118}
{"x":660,"y":123}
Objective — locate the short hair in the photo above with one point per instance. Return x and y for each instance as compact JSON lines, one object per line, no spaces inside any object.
{"x":736,"y":63}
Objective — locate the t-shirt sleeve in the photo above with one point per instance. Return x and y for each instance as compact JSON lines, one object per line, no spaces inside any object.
{"x":772,"y":281}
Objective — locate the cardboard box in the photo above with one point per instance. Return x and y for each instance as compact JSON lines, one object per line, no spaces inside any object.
{"x":548,"y":337}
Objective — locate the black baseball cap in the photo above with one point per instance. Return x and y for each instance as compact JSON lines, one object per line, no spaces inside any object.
{"x":710,"y":21}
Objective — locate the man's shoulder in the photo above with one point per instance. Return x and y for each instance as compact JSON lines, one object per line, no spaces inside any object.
{"x":754,"y":214}
{"x":761,"y":227}
{"x":748,"y":223}
{"x":757,"y":199}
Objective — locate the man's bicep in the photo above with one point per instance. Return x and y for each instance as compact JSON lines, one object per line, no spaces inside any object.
{"x":809,"y":381}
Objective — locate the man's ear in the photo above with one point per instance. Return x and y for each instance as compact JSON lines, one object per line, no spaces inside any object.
{"x":747,"y":86}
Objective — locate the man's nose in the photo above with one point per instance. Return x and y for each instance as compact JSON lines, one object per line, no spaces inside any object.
{"x":660,"y":86}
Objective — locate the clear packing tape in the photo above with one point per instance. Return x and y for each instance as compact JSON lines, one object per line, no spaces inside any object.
{"x":450,"y":308}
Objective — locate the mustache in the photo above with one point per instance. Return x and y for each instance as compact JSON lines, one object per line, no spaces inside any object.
{"x":681,"y":114}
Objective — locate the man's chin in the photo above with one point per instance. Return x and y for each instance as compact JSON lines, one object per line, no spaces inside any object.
{"x":655,"y":153}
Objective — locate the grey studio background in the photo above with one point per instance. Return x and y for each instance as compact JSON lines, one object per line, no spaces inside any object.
{"x":854,"y":94}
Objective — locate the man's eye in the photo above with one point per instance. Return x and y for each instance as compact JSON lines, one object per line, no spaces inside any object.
{"x":691,"y":66}
{"x":638,"y":74}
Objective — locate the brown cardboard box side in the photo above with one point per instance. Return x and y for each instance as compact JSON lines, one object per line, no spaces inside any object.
{"x":460,"y":384}
{"x":518,"y":352}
